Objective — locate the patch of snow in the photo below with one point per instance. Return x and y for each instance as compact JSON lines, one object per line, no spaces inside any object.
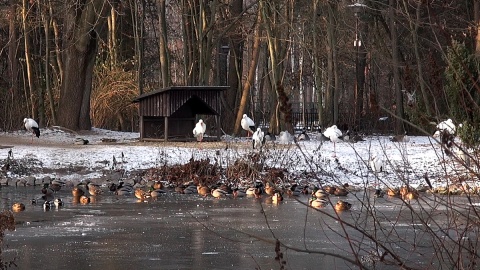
{"x":402,"y":162}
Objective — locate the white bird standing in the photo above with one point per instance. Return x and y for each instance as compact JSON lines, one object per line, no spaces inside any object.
{"x":247,"y":124}
{"x":199,"y":130}
{"x":270,"y":137}
{"x":376,"y":164}
{"x":334,"y":134}
{"x":32,"y":126}
{"x":445,"y":126}
{"x":285,"y":137}
{"x":258,"y":138}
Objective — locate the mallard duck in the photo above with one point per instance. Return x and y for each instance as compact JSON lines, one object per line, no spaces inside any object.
{"x":47,"y":190}
{"x":238,"y":193}
{"x":269,"y":190}
{"x":318,"y":203}
{"x":254,"y":191}
{"x":320,"y":193}
{"x":404,"y":190}
{"x":294,"y":191}
{"x":378,"y":193}
{"x":18,"y":207}
{"x":218,"y":193}
{"x":228,"y":189}
{"x":190,"y":189}
{"x":411,"y":195}
{"x":330,"y":189}
{"x":141,"y":194}
{"x":47,"y":205}
{"x":94,"y":189}
{"x":203,"y":190}
{"x":77,"y":191}
{"x":84,"y":199}
{"x":157,"y":185}
{"x":340,"y":191}
{"x":58,"y":202}
{"x":277,"y":197}
{"x":125,"y":190}
{"x":393,"y":192}
{"x":55,"y":185}
{"x":342,"y":206}
{"x":154,"y":193}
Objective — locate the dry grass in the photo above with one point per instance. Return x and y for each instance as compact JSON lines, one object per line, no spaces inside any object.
{"x":111,"y":102}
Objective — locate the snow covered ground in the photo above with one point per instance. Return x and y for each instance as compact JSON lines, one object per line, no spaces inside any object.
{"x":56,"y":154}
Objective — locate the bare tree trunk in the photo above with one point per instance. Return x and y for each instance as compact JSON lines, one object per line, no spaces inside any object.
{"x":163,"y":50}
{"x":251,"y":74}
{"x":476,"y":14}
{"x":12,"y":49}
{"x":58,"y":51}
{"x":28,"y":61}
{"x":396,"y":73}
{"x":235,"y":68}
{"x":12,"y":109}
{"x":48,"y":88}
{"x":316,"y":64}
{"x":112,"y":38}
{"x":414,"y":24}
{"x":82,"y":29}
{"x":138,"y":31}
{"x":332,"y":80}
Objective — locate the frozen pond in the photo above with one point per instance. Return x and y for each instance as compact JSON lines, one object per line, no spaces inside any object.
{"x":190,"y":232}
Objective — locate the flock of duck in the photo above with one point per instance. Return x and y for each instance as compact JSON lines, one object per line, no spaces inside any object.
{"x":84,"y":193}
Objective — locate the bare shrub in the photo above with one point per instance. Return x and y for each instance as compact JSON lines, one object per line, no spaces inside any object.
{"x":111,"y":102}
{"x":7,"y":222}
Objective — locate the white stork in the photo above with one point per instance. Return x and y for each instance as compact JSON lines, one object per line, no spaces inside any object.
{"x":334,"y":134}
{"x":258,"y":138}
{"x":199,"y":130}
{"x":445,"y":126}
{"x":32,"y":126}
{"x":247,"y":124}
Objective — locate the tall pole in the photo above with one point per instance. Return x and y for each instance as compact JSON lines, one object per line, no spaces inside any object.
{"x":357,"y":43}
{"x":357,"y":8}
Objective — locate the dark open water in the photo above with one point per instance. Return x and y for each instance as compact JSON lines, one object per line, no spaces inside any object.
{"x":188,"y":232}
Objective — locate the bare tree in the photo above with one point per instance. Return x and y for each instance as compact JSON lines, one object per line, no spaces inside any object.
{"x":163,"y":48}
{"x":83,"y":27}
{"x":251,"y":73}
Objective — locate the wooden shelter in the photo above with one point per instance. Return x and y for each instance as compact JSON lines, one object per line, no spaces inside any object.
{"x":171,"y":113}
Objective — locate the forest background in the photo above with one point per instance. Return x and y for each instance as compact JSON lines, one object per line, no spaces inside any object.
{"x":80,"y":63}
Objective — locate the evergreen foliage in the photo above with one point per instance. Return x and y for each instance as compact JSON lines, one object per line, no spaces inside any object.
{"x":461,"y":89}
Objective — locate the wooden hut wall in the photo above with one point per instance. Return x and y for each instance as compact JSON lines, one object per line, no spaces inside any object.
{"x":155,"y":105}
{"x":153,"y":127}
{"x":179,"y":97}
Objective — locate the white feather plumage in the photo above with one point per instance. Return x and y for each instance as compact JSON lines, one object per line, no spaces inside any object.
{"x":285,"y":137}
{"x":376,"y":164}
{"x":258,"y":138}
{"x":32,"y":126}
{"x":199,"y":130}
{"x":447,"y":126}
{"x":247,"y":123}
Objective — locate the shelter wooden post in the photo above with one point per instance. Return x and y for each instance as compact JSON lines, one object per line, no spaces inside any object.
{"x":166,"y":129}
{"x":219,"y":130}
{"x":141,"y":127}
